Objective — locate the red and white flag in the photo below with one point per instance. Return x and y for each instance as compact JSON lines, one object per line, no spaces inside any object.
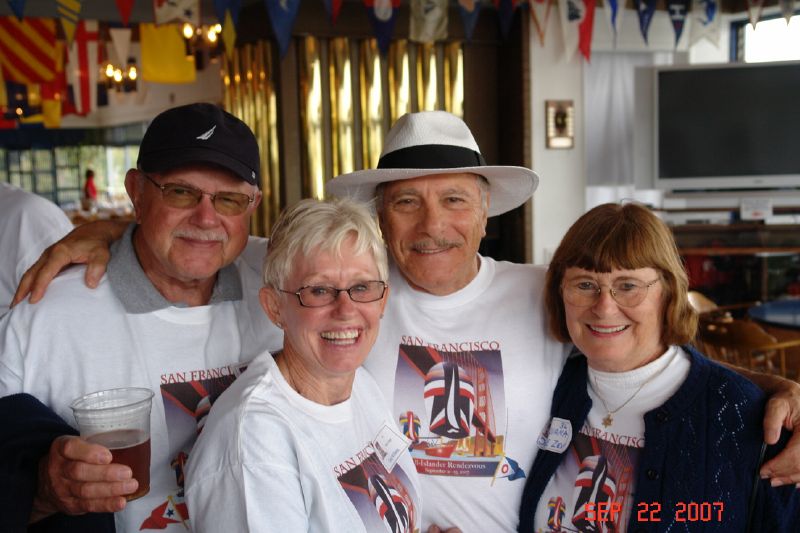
{"x":83,"y":66}
{"x":577,"y":23}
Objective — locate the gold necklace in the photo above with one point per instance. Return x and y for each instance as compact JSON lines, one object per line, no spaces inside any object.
{"x":608,"y":420}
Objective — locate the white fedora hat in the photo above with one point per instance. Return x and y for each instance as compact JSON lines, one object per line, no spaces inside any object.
{"x":436,"y":142}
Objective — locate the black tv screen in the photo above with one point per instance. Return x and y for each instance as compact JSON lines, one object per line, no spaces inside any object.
{"x":728,"y":126}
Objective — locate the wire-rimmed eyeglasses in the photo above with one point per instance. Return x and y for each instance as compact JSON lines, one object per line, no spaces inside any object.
{"x":182,"y":196}
{"x":322,"y":295}
{"x":626,"y":292}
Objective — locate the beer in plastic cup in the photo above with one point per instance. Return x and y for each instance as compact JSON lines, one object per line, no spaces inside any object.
{"x":119,"y":419}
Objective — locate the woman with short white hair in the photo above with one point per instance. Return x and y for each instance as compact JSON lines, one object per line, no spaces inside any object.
{"x":303,"y":441}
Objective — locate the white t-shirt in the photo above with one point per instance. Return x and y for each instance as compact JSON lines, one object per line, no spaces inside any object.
{"x":79,"y":340}
{"x":270,"y":460}
{"x":601,"y":462}
{"x":470,"y":378}
{"x":28,"y":225}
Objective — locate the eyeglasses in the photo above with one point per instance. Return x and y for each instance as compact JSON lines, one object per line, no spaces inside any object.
{"x":321,"y":295}
{"x":186,"y":197}
{"x":627,"y":293}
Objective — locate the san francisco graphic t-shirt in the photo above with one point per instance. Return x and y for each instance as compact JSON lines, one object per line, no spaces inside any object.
{"x":600,"y":464}
{"x":270,"y":460}
{"x":469,"y":377}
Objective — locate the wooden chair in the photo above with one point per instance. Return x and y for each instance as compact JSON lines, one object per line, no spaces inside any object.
{"x":744,"y":343}
{"x":710,"y":311}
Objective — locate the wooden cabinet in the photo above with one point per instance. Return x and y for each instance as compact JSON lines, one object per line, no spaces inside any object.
{"x":741,"y":261}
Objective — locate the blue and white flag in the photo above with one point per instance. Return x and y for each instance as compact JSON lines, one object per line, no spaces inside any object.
{"x":428,"y":21}
{"x":509,"y":468}
{"x":469,"y":9}
{"x":281,"y":16}
{"x":614,"y":16}
{"x":645,"y":10}
{"x":705,"y":22}
{"x":678,"y":11}
{"x":382,"y":14}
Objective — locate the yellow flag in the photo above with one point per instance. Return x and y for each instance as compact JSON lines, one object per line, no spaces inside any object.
{"x":164,"y":57}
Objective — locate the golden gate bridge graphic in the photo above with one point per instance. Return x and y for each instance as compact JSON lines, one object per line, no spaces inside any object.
{"x":455,"y":424}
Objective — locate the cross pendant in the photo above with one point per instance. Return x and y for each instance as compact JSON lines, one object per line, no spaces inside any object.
{"x":607,"y":421}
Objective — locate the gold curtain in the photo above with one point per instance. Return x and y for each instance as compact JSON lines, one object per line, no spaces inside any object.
{"x":349,"y":95}
{"x":249,"y":93}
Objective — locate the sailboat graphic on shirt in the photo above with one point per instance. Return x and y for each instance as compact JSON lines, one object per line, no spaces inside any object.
{"x":458,"y":398}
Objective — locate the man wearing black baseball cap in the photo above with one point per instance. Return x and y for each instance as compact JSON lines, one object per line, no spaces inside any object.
{"x":168,"y":315}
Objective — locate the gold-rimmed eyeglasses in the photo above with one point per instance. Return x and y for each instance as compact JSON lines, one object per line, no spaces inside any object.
{"x":626,"y":292}
{"x":322,"y":295}
{"x":185,"y":197}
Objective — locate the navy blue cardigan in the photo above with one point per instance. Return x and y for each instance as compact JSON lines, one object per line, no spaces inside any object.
{"x":702,"y":445}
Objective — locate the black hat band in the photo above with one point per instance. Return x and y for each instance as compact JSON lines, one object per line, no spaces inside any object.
{"x":432,"y":156}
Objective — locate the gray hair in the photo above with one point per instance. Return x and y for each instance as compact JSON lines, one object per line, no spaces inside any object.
{"x":312,"y":224}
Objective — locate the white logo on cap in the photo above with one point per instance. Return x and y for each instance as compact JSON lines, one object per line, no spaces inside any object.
{"x":207,"y":135}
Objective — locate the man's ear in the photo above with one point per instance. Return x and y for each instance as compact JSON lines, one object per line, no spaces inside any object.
{"x":486,"y":212}
{"x":133,"y":185}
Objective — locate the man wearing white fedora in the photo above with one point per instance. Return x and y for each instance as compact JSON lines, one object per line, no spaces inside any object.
{"x":463,"y":355}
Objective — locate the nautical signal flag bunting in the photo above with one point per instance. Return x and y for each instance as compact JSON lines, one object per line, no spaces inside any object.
{"x":28,"y":49}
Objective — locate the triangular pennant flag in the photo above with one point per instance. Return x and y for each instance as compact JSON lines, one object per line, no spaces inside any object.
{"x":125,"y":7}
{"x":505,"y":12}
{"x":221,"y":6}
{"x":540,"y":13}
{"x":121,"y":39}
{"x":165,"y":12}
{"x":678,"y":11}
{"x":645,"y":10}
{"x":281,"y":16}
{"x":787,"y":9}
{"x":705,"y":21}
{"x":754,"y":8}
{"x":164,"y":55}
{"x":28,"y":49}
{"x":428,"y":21}
{"x":18,"y":7}
{"x":229,"y":34}
{"x":83,"y":66}
{"x":333,"y":7}
{"x":577,"y":24}
{"x":382,"y":14}
{"x":69,"y":11}
{"x":469,"y":9}
{"x":614,"y":16}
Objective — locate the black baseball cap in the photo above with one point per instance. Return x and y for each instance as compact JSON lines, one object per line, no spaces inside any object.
{"x":200,"y":133}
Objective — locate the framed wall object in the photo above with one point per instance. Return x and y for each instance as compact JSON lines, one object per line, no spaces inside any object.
{"x":560,"y":127}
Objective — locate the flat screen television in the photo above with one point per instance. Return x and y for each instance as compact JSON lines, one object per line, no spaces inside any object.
{"x":731,"y":126}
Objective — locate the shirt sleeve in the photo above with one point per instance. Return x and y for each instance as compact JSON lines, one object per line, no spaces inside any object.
{"x":254,"y":498}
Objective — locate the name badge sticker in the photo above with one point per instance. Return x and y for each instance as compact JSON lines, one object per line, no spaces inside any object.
{"x":556,"y":437}
{"x":389,"y":444}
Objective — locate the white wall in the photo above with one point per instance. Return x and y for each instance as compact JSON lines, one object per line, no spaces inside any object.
{"x":560,"y":199}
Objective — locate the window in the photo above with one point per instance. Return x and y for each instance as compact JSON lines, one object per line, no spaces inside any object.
{"x":772,"y":40}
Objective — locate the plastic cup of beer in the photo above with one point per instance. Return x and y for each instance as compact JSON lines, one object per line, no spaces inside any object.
{"x":119,"y":419}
